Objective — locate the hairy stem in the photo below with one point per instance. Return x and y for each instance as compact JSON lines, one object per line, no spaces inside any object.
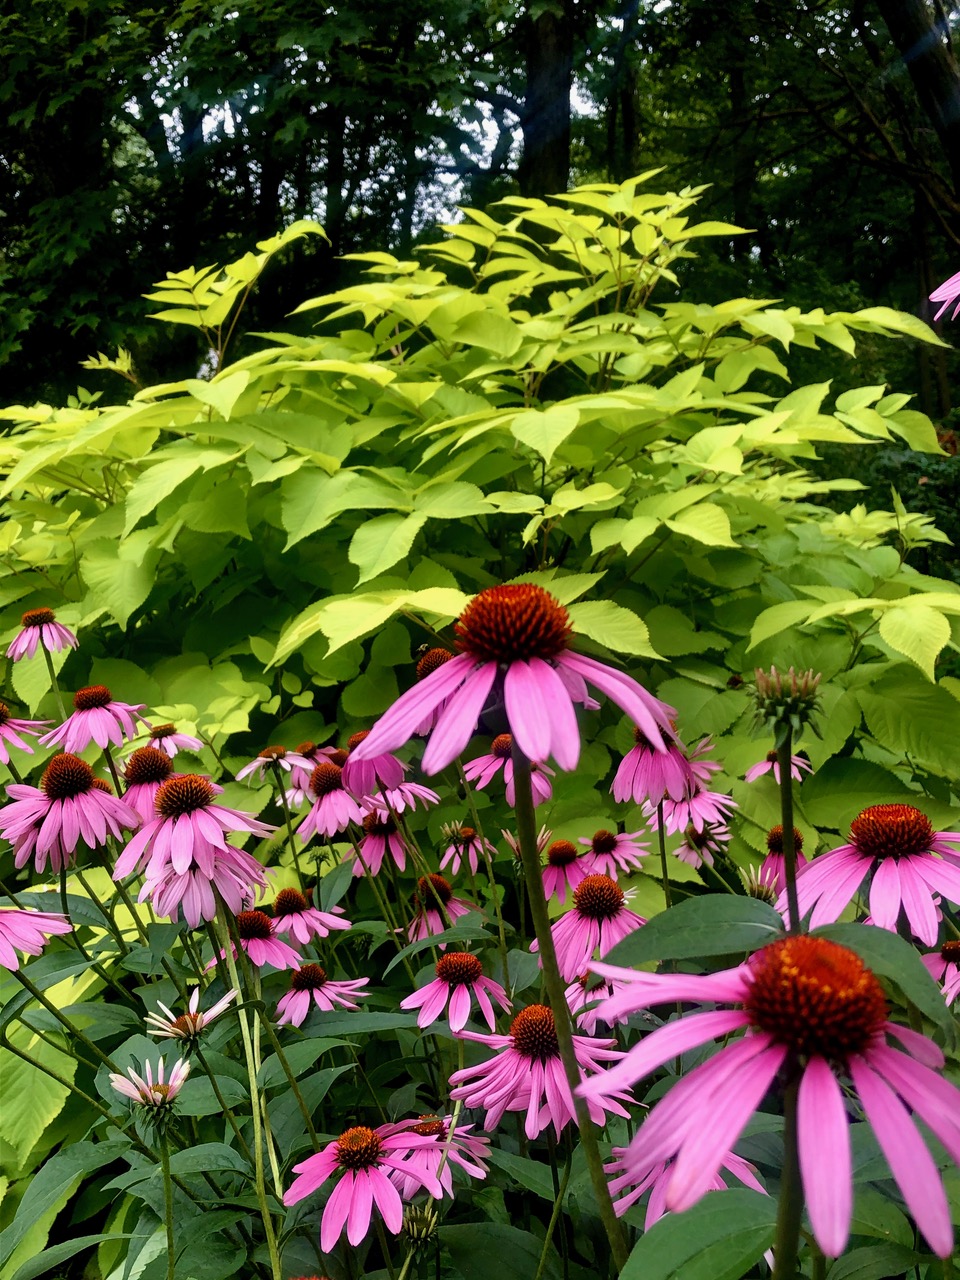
{"x":790,"y":1207}
{"x":784,"y":762}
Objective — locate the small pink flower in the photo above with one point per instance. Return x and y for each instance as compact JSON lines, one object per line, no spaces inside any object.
{"x":465,"y":845}
{"x":97,"y":718}
{"x":770,"y":764}
{"x":459,"y":976}
{"x":583,"y":995}
{"x":157,"y":1094}
{"x":648,"y":774}
{"x":526,"y":1074}
{"x":310,"y":985}
{"x":264,"y":761}
{"x":944,"y":967}
{"x":187,"y":1026}
{"x":27,"y":931}
{"x":810,"y":1002}
{"x":164,"y":737}
{"x":772,"y":868}
{"x":380,"y":837}
{"x":544,"y":836}
{"x":635,"y":1177}
{"x":435,"y":909}
{"x":258,"y":939}
{"x":293,"y":914}
{"x":300,"y":775}
{"x":599,"y":919}
{"x":697,"y":809}
{"x":462,"y":1148}
{"x":484,"y":769}
{"x":910,"y":862}
{"x":611,"y":853}
{"x":40,"y":627}
{"x":565,"y":869}
{"x":333,"y":808}
{"x":10,"y":730}
{"x":185,"y":854}
{"x":144,"y":773}
{"x":408,"y":795}
{"x":67,"y":808}
{"x":363,"y":777}
{"x":702,"y":847}
{"x":365,"y":1158}
{"x":516,"y":638}
{"x":947,"y":293}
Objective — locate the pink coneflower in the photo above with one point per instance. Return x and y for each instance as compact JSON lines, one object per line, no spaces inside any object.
{"x":264,"y":761}
{"x":702,"y":847}
{"x":187,"y":1026}
{"x":635,"y":1180}
{"x":300,"y":775}
{"x":516,"y":636}
{"x":647,"y":773}
{"x":333,"y":808}
{"x":362,"y":777}
{"x":67,"y":808}
{"x":771,"y":869}
{"x":598,"y":918}
{"x":40,"y":627}
{"x":158,"y":1095}
{"x":165,"y":738}
{"x":910,"y":864}
{"x":947,"y":293}
{"x":611,"y":853}
{"x":380,"y":837}
{"x":10,"y":730}
{"x":465,"y":845}
{"x":583,"y":995}
{"x":27,"y":931}
{"x":527,"y":1075}
{"x":258,"y":939}
{"x":408,"y":795}
{"x":431,"y":660}
{"x":944,"y":967}
{"x":463,"y":1148}
{"x":770,"y":764}
{"x":293,"y":914}
{"x":186,"y":854}
{"x":459,"y":976}
{"x":697,"y":809}
{"x":565,"y":868}
{"x":484,"y":769}
{"x":435,"y":908}
{"x":365,"y":1158}
{"x":97,"y":718}
{"x":310,"y":985}
{"x":145,"y":772}
{"x":810,"y":1005}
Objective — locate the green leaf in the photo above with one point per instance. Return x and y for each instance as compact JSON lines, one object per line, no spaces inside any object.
{"x":60,"y":1253}
{"x":51,"y":1185}
{"x":527,"y":1172}
{"x":875,"y":1262}
{"x":299,"y":1055}
{"x":31,"y":1099}
{"x":198,"y":1099}
{"x":709,"y":925}
{"x":468,"y":930}
{"x":495,"y":1251}
{"x":891,"y":957}
{"x":914,"y":718}
{"x":119,"y":576}
{"x":916,"y":631}
{"x":705,"y":523}
{"x":779,"y":617}
{"x":382,"y":541}
{"x":206,"y":1157}
{"x":613,"y":626}
{"x":159,"y":480}
{"x":222,"y":393}
{"x":544,"y":430}
{"x":843,"y":786}
{"x":719,"y":1238}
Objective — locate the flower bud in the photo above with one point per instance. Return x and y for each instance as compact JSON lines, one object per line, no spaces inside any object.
{"x":787,"y":702}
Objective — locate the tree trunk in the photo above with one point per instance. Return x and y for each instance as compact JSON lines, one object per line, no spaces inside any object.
{"x":548,"y":51}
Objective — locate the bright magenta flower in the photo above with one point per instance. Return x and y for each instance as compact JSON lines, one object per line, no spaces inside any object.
{"x":612,"y":853}
{"x":772,"y":868}
{"x":485,"y":768}
{"x":98,"y":718}
{"x":564,"y":870}
{"x":527,"y":1075}
{"x":599,"y":919}
{"x":311,"y":985}
{"x":293,"y":914}
{"x":465,"y":845}
{"x":27,"y":931}
{"x":647,"y":773}
{"x":363,"y":777}
{"x":40,"y":627}
{"x":810,"y":1002}
{"x":10,"y":730}
{"x":583,"y":997}
{"x":633,"y":1179}
{"x":258,"y":939}
{"x":701,"y":847}
{"x":436,"y":908}
{"x":459,"y":977}
{"x":514,"y":637}
{"x":944,"y":967}
{"x":333,"y":807}
{"x":145,"y":771}
{"x":464,"y":1148}
{"x":67,"y":808}
{"x":164,"y":737}
{"x":910,"y":862}
{"x":770,"y":764}
{"x":947,"y":293}
{"x":365,"y":1159}
{"x":380,"y":837}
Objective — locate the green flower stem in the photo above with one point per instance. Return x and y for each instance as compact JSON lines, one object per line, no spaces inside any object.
{"x":167,"y":1205}
{"x":128,"y":902}
{"x":385,"y":910}
{"x":14,"y":772}
{"x":784,"y":761}
{"x":260,"y":1181}
{"x":291,"y":1078}
{"x":251,"y":980}
{"x":288,"y":820}
{"x":527,"y":834}
{"x":662,"y":842}
{"x":559,"y":1192}
{"x":54,"y":685}
{"x":112,"y":925}
{"x":111,"y":765}
{"x":382,"y":1237}
{"x":790,"y":1207}
{"x":67,"y":1025}
{"x":488,"y":863}
{"x":224,"y":1107}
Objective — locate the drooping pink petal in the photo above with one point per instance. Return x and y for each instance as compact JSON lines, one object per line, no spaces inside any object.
{"x":336,"y":1210}
{"x":885,"y":897}
{"x":910,"y":1162}
{"x":650,"y":715}
{"x":361,"y":1203}
{"x":823,"y":1136}
{"x":388,"y":1198}
{"x":935,"y":1100}
{"x":918,"y":903}
{"x":457,"y":721}
{"x":920,"y":1046}
{"x":397,"y":725}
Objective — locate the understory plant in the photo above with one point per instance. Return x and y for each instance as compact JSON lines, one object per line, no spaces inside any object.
{"x":514,"y":806}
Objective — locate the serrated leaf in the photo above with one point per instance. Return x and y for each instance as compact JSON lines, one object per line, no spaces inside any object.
{"x":779,"y":617}
{"x":116,"y":580}
{"x":544,"y":430}
{"x":918,"y":632}
{"x":914,"y":719}
{"x":613,"y":626}
{"x":704,"y":523}
{"x":382,"y":542}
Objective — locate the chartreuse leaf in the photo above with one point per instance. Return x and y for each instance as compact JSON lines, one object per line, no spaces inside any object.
{"x":910,"y":716}
{"x":119,"y":576}
{"x":711,"y":925}
{"x":51,"y":1185}
{"x":612,"y":625}
{"x":720,"y":1238}
{"x":379,"y":543}
{"x":916,"y":631}
{"x":544,"y":430}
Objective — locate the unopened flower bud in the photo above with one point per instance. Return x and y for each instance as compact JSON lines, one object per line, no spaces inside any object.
{"x":787,"y":702}
{"x":419,"y":1224}
{"x":760,"y":884}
